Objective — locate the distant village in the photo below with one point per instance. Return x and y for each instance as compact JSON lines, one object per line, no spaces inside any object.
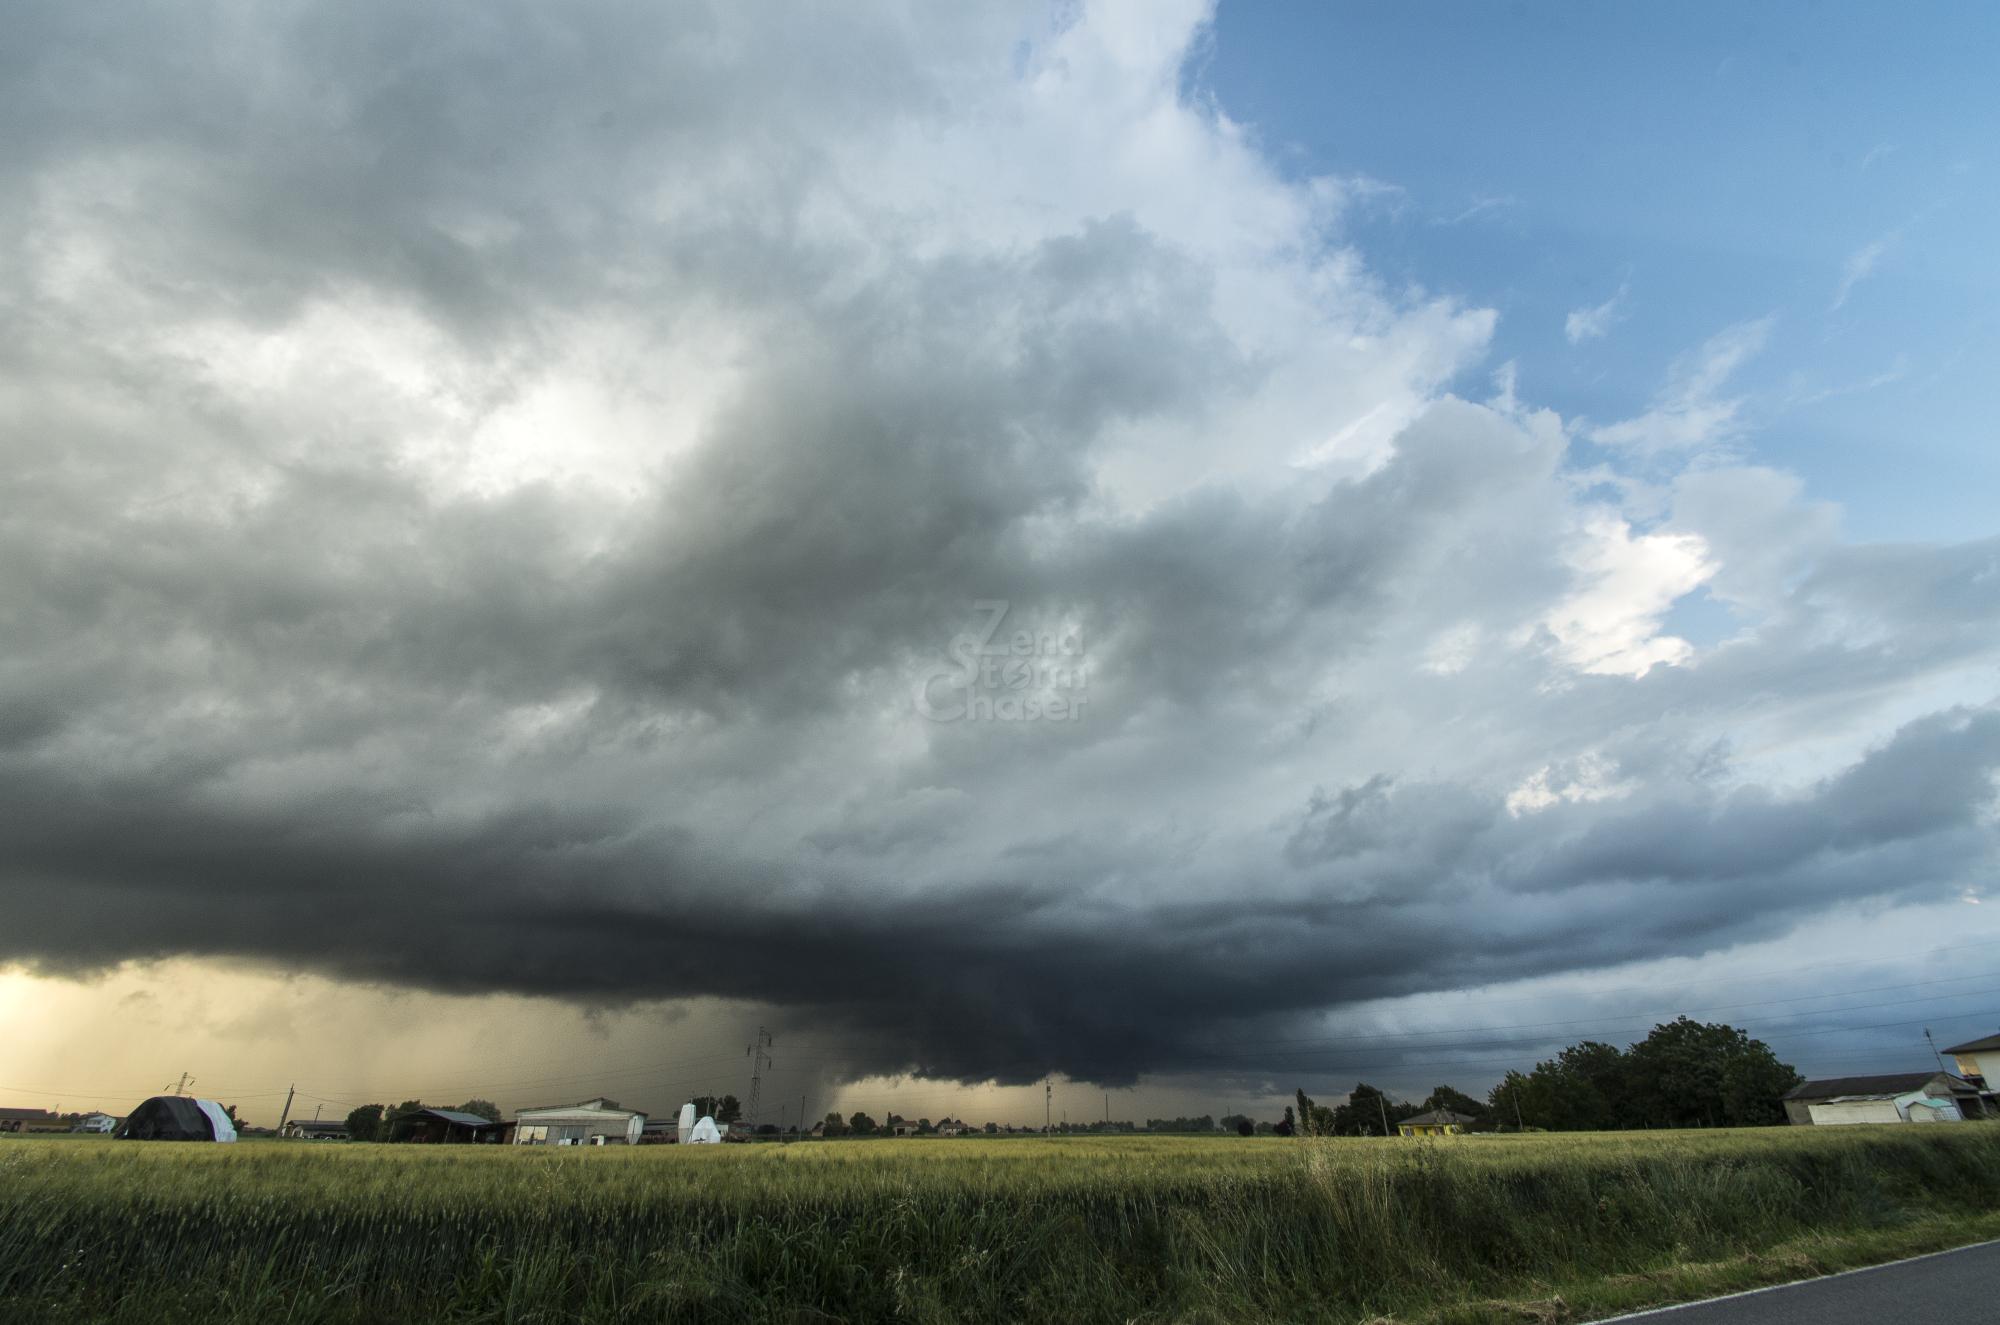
{"x":1685,"y":1074}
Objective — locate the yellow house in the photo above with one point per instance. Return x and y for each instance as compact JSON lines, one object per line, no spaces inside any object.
{"x":1438,"y":1122}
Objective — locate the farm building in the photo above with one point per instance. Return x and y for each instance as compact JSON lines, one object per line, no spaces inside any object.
{"x":1979,"y":1060}
{"x":97,"y":1122}
{"x":177,"y":1118}
{"x":29,"y":1120}
{"x":1438,"y":1122}
{"x":443,"y":1127}
{"x":1901,"y":1097}
{"x":593,"y":1122}
{"x":316,"y":1129}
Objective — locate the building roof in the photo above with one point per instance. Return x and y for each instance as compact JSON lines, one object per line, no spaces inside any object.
{"x":27,"y":1116}
{"x":593,"y":1105}
{"x":1437,"y":1118}
{"x":1976,"y":1046}
{"x":454,"y":1116}
{"x":1895,"y":1083}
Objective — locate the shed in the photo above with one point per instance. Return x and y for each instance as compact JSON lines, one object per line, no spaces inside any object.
{"x":443,"y":1127}
{"x":1885,"y":1098}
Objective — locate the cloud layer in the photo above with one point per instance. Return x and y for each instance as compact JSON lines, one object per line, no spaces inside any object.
{"x":486,"y":488}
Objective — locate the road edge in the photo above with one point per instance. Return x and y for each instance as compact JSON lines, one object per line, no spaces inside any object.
{"x":1654,"y":1312}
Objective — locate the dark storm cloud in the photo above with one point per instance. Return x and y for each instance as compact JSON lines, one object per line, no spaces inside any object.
{"x":321,"y":652}
{"x":991,"y":981}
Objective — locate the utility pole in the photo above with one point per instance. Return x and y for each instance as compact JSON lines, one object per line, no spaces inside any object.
{"x":1934,"y":1049}
{"x":760,"y":1059}
{"x":1048,"y":1103}
{"x":1382,"y":1103}
{"x":288,"y":1108}
{"x":185,"y":1082}
{"x":802,"y":1113}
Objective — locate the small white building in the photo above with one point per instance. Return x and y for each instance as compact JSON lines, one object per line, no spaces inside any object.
{"x":594,"y":1122}
{"x":98,"y":1122}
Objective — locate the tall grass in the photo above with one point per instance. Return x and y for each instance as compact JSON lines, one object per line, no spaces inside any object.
{"x":1071,"y":1229}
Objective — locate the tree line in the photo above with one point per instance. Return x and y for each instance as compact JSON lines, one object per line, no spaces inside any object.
{"x":1685,"y":1073}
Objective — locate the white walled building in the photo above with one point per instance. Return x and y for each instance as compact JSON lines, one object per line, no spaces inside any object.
{"x":594,"y":1122}
{"x":1980,"y":1060}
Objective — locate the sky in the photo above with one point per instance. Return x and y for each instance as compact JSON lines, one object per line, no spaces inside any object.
{"x":1107,"y":558}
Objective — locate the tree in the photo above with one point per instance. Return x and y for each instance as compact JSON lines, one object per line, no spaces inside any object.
{"x":1368,"y":1112}
{"x":486,"y":1109}
{"x":1754,"y":1083}
{"x":1509,"y":1100}
{"x":1244,"y":1127}
{"x":1457,"y":1101}
{"x":1314,"y":1119}
{"x":835,"y":1125}
{"x":861,"y":1124}
{"x":728,"y":1110}
{"x":234,"y":1121}
{"x":1287,"y":1127}
{"x":1687,"y":1073}
{"x":365,"y":1123}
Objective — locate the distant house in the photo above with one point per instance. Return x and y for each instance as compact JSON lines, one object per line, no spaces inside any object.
{"x":315,"y":1129}
{"x":1897,"y":1097}
{"x":817,"y":1129}
{"x":443,"y":1127}
{"x":594,"y":1122}
{"x":1979,"y":1061}
{"x":1438,"y":1122}
{"x":950,"y":1127}
{"x":30,"y":1120}
{"x":904,"y":1127}
{"x":97,"y":1122}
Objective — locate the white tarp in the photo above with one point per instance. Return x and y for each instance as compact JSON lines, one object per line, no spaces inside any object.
{"x":224,"y":1129}
{"x":705,"y":1133}
{"x":687,"y":1124}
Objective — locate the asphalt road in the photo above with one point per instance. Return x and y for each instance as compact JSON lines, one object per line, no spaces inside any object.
{"x":1960,"y":1285}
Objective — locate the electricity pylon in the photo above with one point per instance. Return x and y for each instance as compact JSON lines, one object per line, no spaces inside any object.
{"x":760,"y":1058}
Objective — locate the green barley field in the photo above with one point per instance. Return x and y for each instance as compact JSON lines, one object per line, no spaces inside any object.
{"x":1195,"y":1229}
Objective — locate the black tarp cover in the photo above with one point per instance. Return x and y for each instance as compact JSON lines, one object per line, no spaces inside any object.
{"x":168,"y":1118}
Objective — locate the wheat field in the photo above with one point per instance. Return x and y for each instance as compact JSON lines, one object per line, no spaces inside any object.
{"x":1071,"y":1229}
